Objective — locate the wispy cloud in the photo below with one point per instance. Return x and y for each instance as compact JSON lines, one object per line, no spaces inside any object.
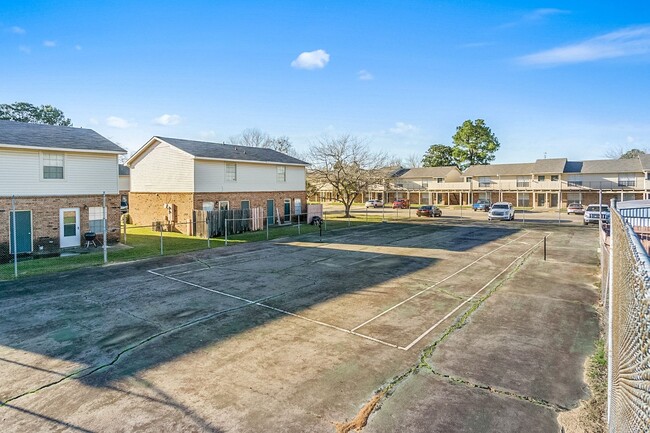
{"x":365,"y":75}
{"x":49,"y":44}
{"x":536,"y":15}
{"x":311,"y":60}
{"x":17,"y":30}
{"x":168,"y":120}
{"x":24,"y":49}
{"x":77,"y":47}
{"x":402,"y":128}
{"x":630,"y":41}
{"x":118,"y":122}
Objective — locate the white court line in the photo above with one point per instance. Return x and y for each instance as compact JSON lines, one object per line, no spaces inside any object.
{"x":434,"y":285}
{"x":424,"y":334}
{"x":260,"y":304}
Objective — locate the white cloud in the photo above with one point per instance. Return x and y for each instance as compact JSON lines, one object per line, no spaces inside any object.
{"x":541,"y":13}
{"x":403,"y":128}
{"x":365,"y":75}
{"x":168,"y":119}
{"x":311,"y":60}
{"x":118,"y":122}
{"x":17,"y":30}
{"x":93,"y":121}
{"x":24,"y":49}
{"x":77,"y":47}
{"x":630,"y":41}
{"x":49,"y":44}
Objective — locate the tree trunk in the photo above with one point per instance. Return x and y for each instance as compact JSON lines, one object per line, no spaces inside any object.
{"x":347,"y":210}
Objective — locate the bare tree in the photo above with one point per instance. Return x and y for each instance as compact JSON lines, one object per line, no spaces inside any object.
{"x":413,"y":161}
{"x":254,"y":137}
{"x":347,"y":164}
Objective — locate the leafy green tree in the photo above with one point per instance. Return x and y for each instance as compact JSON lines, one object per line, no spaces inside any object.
{"x":439,"y":155}
{"x":474,"y":144}
{"x":28,"y":113}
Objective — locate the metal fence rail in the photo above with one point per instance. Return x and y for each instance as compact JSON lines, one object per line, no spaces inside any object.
{"x":628,"y":312}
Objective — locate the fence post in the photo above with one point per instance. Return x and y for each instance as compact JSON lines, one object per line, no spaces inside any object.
{"x":161,"y":238}
{"x":348,"y":219}
{"x":105,"y":228}
{"x":225,"y":235}
{"x":267,"y":227}
{"x":13,"y":218}
{"x":545,"y":236}
{"x":124,"y":230}
{"x":298,"y":223}
{"x":325,"y":220}
{"x":610,"y":313}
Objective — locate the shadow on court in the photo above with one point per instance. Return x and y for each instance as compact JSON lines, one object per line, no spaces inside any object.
{"x":115,"y":325}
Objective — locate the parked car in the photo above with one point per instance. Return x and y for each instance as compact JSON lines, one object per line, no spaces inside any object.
{"x":595,"y":213}
{"x":575,"y":208}
{"x":374,"y":203}
{"x":482,"y":204}
{"x":501,"y":211}
{"x":429,"y":211}
{"x":401,"y":203}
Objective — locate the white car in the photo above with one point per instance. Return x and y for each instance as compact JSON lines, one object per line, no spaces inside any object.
{"x":595,"y":212}
{"x":502,"y":210}
{"x":374,"y":203}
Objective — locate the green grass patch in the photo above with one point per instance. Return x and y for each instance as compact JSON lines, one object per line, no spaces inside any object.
{"x":142,"y":242}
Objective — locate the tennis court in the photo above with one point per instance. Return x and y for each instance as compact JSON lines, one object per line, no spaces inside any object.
{"x":293,"y":333}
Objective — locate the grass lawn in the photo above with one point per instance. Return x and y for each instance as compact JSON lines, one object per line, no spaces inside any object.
{"x":142,"y":242}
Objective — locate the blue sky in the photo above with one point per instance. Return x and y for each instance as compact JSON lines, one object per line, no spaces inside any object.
{"x":570,"y":79}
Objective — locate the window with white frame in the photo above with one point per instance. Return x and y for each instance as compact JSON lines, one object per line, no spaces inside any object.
{"x":523,"y":181}
{"x":53,"y":164}
{"x":523,"y":200}
{"x":626,"y":179}
{"x":555,"y":178}
{"x":484,"y":181}
{"x":629,"y":196}
{"x":231,"y":171}
{"x":541,"y":178}
{"x":425,"y":183}
{"x":281,"y":173}
{"x":442,"y":179}
{"x":96,"y":219}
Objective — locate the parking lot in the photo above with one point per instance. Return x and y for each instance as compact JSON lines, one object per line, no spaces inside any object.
{"x":299,"y":334}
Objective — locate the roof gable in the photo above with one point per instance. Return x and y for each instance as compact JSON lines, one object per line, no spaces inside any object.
{"x":32,"y":135}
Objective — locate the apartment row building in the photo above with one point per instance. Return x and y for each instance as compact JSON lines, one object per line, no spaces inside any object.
{"x":545,"y":183}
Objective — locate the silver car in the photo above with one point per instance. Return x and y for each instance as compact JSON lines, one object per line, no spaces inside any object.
{"x":501,"y":211}
{"x":595,"y":213}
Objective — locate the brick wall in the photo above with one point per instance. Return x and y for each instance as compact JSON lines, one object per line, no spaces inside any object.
{"x":45,"y":217}
{"x":147,"y":207}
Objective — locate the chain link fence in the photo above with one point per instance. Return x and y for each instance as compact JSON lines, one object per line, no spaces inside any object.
{"x":43,"y":245}
{"x":626,"y":296}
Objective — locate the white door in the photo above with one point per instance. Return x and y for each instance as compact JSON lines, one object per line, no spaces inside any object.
{"x":69,"y":227}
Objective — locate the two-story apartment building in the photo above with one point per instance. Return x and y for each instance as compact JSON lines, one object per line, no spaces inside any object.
{"x":56,"y":177}
{"x":426,"y":185}
{"x":171,"y":177}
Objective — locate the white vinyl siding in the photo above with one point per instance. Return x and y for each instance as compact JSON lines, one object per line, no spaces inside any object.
{"x":163,"y":168}
{"x":209,"y":176}
{"x":125,"y":183}
{"x":21,"y":173}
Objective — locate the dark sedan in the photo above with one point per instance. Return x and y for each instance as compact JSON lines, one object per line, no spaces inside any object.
{"x":429,"y":211}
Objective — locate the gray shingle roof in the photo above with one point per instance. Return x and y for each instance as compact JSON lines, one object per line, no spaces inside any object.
{"x":204,"y":149}
{"x":55,"y":137}
{"x":500,"y":169}
{"x":428,"y":172}
{"x":604,"y":166}
{"x":549,"y":166}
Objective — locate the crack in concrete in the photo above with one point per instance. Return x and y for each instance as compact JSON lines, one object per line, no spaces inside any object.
{"x":534,"y":400}
{"x":387,"y":390}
